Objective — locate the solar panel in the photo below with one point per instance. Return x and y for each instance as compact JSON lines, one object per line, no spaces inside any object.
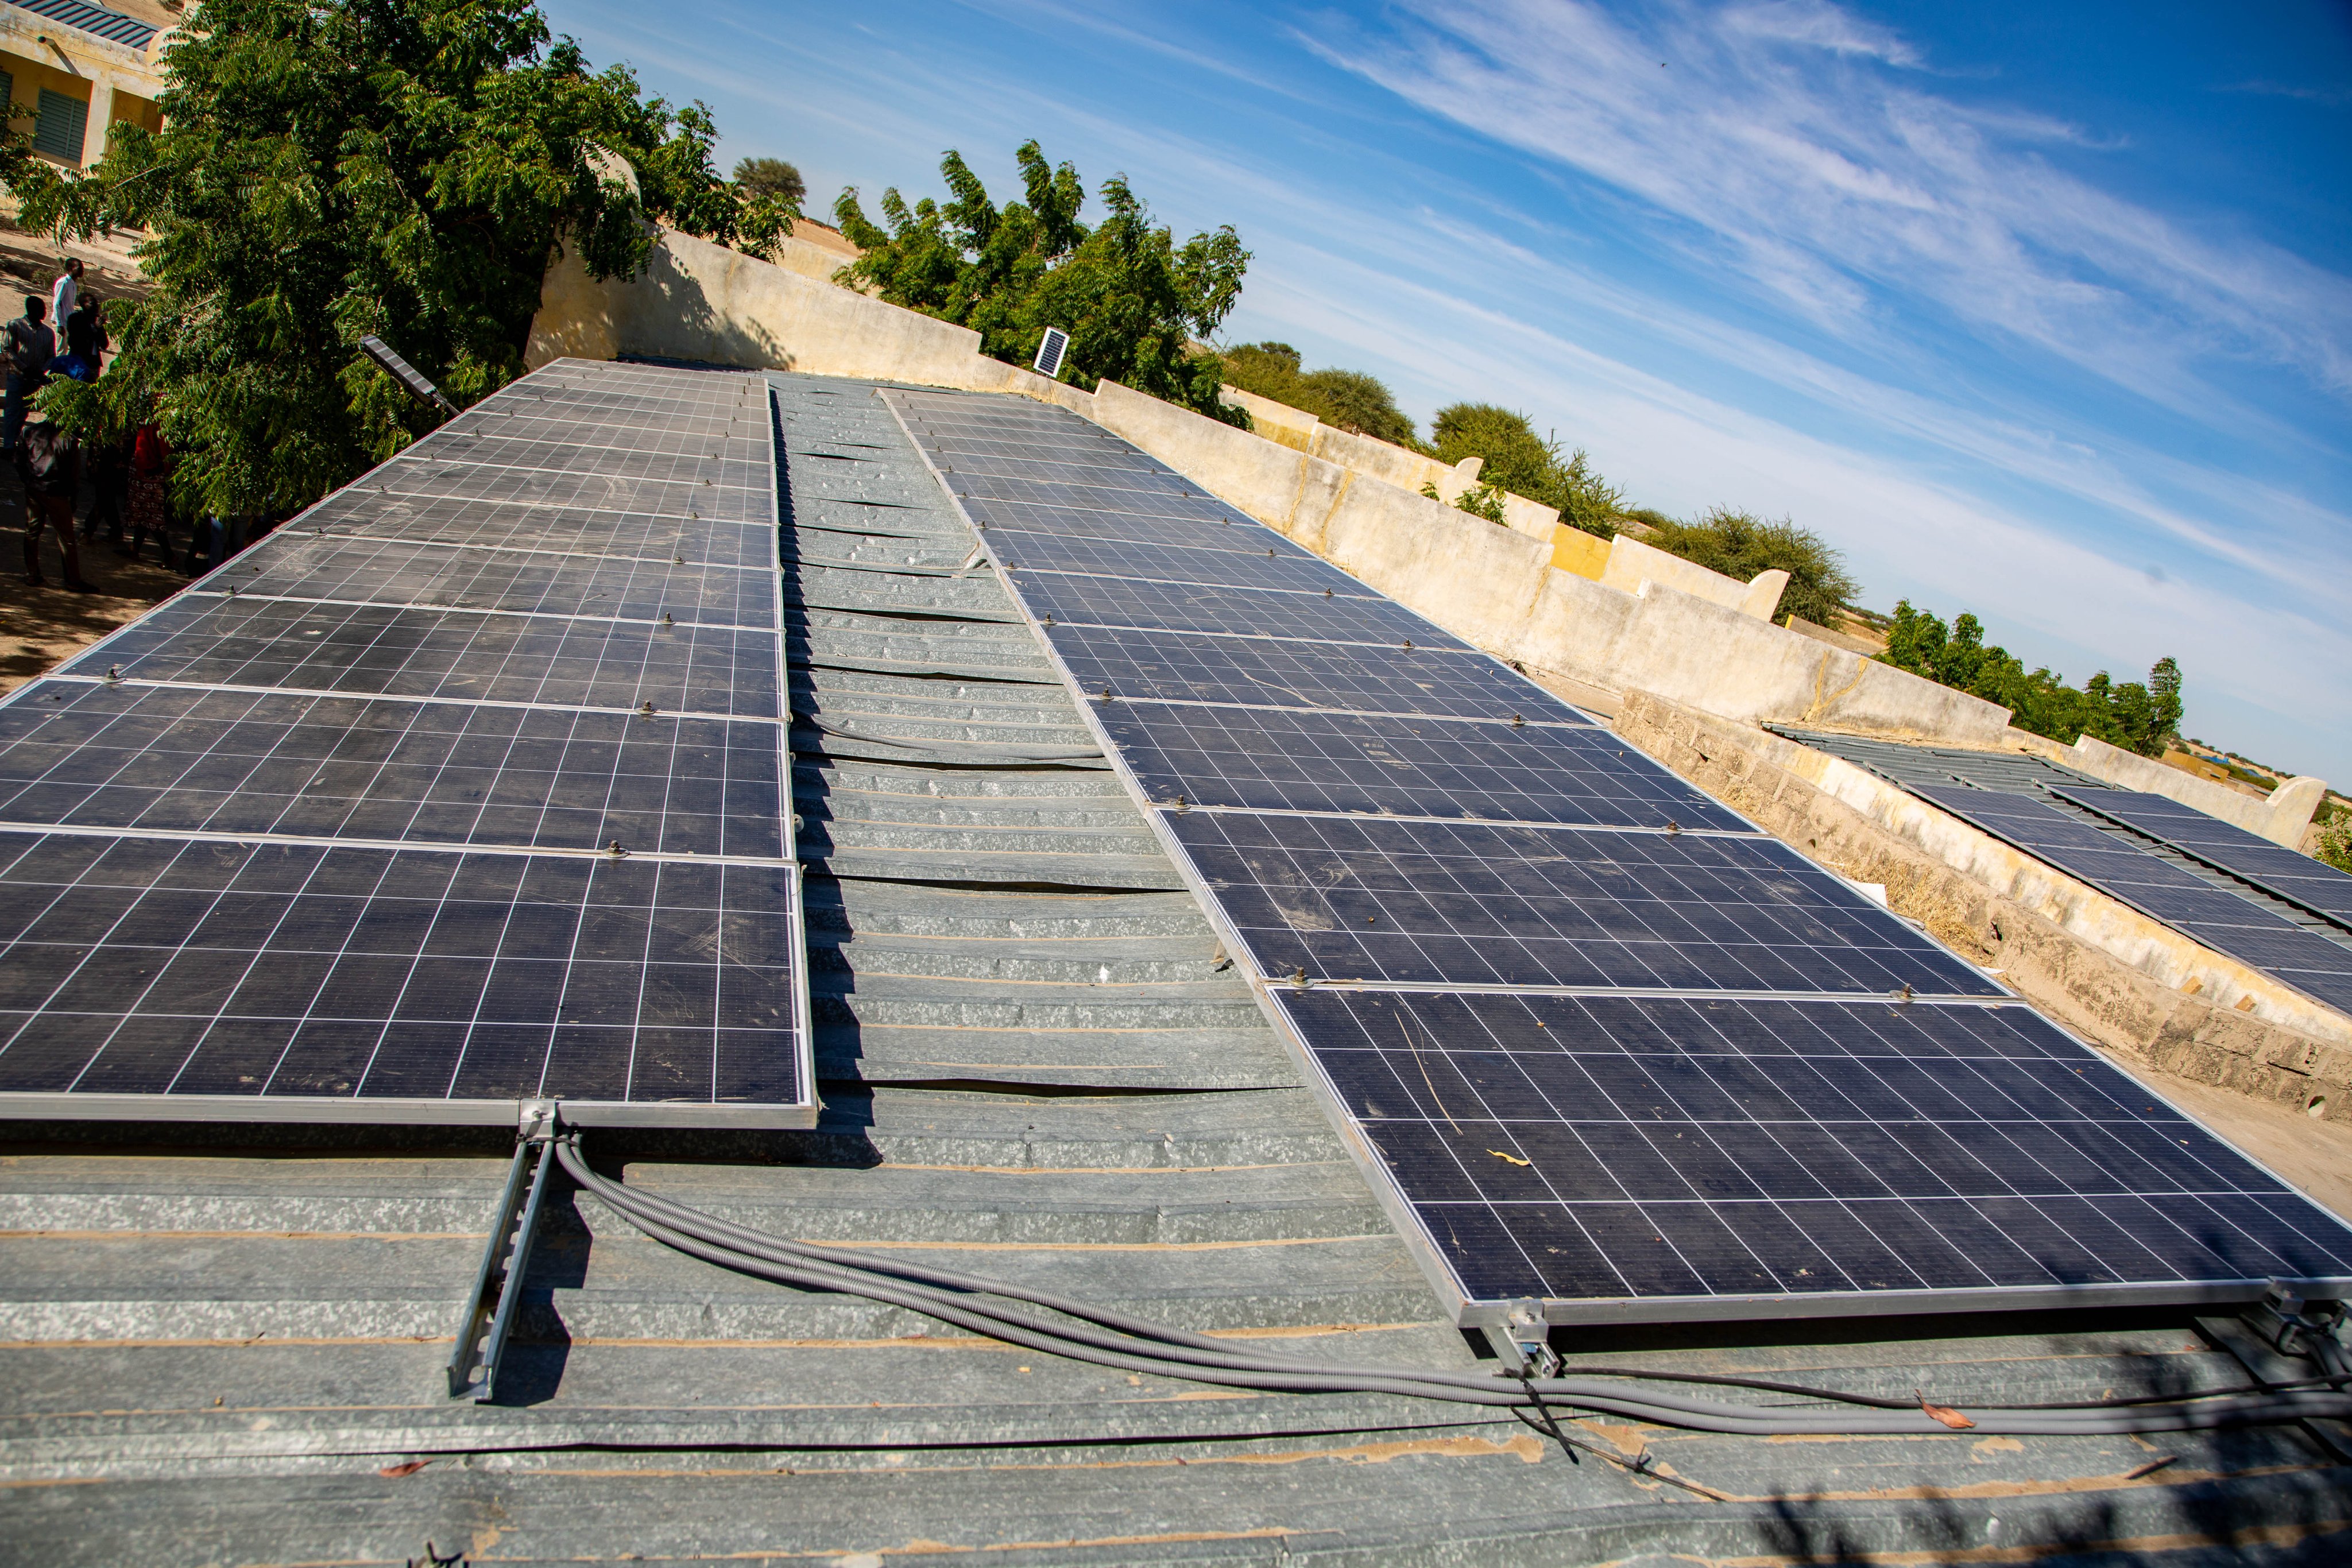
{"x":277,"y":973}
{"x":1304,"y":673}
{"x":1236,"y":566}
{"x":389,"y":571}
{"x":466,"y":788}
{"x":1624,"y":1157}
{"x":242,"y":762}
{"x":479,"y":653}
{"x":2189,"y":905}
{"x":1273,"y":759}
{"x":1169,"y":606}
{"x":1469,"y":903}
{"x":2310,"y":885}
{"x":1597,"y":1041}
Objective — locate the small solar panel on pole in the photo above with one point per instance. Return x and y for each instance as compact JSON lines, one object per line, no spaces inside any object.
{"x":1050,"y":349}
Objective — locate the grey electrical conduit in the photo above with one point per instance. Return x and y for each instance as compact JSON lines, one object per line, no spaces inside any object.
{"x":1176,"y":1353}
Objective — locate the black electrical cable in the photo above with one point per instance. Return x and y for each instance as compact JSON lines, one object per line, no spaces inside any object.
{"x":1137,"y":1345}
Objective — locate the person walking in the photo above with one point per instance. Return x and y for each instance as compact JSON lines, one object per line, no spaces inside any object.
{"x":150,"y":514}
{"x":65,"y":294}
{"x":110,"y":485}
{"x":30,"y":348}
{"x":48,"y":461}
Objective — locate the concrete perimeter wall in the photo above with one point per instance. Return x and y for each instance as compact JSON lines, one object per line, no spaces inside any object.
{"x":1494,"y":587}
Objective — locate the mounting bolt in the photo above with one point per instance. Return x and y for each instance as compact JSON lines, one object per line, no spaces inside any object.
{"x":1673,"y":827}
{"x":1518,"y":723}
{"x":618,"y":849}
{"x":113,"y":672}
{"x":647,"y":710}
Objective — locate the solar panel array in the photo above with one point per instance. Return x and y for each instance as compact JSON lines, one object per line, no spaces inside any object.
{"x":464,"y":788}
{"x":2309,"y":883}
{"x":1597,"y":1040}
{"x":2172,"y":893}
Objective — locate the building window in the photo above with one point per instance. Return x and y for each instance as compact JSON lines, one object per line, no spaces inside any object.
{"x":60,"y":130}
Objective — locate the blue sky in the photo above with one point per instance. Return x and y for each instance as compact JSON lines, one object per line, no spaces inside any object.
{"x":2042,"y":311}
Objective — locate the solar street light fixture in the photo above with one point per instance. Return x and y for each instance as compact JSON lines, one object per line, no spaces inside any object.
{"x":406,"y":374}
{"x":1052,"y":348}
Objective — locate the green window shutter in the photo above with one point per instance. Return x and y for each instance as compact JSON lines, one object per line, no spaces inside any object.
{"x":7,"y":89}
{"x":64,"y":121}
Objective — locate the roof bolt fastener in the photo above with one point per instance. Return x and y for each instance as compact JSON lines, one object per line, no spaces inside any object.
{"x":618,"y":849}
{"x":647,"y":709}
{"x":1518,"y":723}
{"x":1327,"y":593}
{"x":1903,"y":993}
{"x":1180,"y":807}
{"x":1049,"y":620}
{"x":1269,"y":552}
{"x":1673,"y":827}
{"x":666,"y":620}
{"x":1106,"y":694}
{"x":113,"y":672}
{"x":1408,"y":643}
{"x":1299,"y":976}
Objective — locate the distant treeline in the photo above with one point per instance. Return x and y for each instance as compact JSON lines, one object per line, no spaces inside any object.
{"x":1735,"y":543}
{"x":2140,"y":717}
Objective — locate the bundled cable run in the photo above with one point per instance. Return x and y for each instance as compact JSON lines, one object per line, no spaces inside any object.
{"x":1103,"y":1337}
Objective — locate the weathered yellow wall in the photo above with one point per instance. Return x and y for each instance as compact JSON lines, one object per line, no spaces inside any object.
{"x":1573,"y":550}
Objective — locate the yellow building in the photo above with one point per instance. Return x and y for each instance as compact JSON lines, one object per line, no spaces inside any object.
{"x":73,"y":70}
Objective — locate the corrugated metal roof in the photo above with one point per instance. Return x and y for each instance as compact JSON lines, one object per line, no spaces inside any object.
{"x":96,"y":20}
{"x":1035,"y":1068}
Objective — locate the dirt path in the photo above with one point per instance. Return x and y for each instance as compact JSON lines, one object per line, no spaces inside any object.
{"x":42,"y":627}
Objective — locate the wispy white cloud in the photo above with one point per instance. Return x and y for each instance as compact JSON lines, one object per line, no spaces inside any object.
{"x":1825,"y":173}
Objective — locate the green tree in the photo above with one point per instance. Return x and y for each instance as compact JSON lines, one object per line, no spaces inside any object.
{"x":1130,"y":298}
{"x":1519,"y":460}
{"x":408,"y":168}
{"x":770,"y":177}
{"x":2144,"y":718}
{"x":1346,"y":400}
{"x":1740,"y":545}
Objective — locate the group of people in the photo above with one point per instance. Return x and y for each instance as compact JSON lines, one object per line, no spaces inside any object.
{"x":127,"y":476}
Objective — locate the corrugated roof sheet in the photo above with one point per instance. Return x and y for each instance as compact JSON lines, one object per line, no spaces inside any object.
{"x":1036,"y":1068}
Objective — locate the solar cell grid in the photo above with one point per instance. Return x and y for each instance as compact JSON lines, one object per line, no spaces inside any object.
{"x":158,"y":757}
{"x":2180,"y":899}
{"x":309,"y":566}
{"x":440,"y":926}
{"x":141,"y":967}
{"x":1598,"y":1151}
{"x":1139,"y":506}
{"x":1224,"y":531}
{"x":1459,"y":904}
{"x":1360,"y":677}
{"x":1270,"y":759}
{"x":2292,"y":875}
{"x":424,"y":518}
{"x":456,"y":654}
{"x":1285,"y":618}
{"x":1238,"y":562}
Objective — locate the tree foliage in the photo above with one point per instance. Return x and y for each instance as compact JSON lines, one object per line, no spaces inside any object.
{"x":1519,"y":460}
{"x":1346,"y":400}
{"x":1130,"y":298}
{"x":406,"y":168}
{"x":770,"y":177}
{"x":1740,"y":545}
{"x":2139,"y":717}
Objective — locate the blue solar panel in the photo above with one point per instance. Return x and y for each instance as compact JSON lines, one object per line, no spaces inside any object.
{"x":2309,"y":884}
{"x":1470,"y":904}
{"x":2220,"y":920}
{"x":1301,"y":673}
{"x":1599,"y":1041}
{"x":466,"y":787}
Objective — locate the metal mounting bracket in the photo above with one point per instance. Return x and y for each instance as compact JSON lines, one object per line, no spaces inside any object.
{"x":488,"y":1314}
{"x":1523,"y":1340}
